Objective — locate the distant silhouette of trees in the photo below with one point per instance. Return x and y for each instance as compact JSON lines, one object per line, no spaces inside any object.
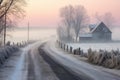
{"x":66,"y":14}
{"x":73,"y":20}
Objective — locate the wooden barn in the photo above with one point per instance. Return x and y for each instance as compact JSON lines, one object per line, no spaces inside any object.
{"x":98,"y":32}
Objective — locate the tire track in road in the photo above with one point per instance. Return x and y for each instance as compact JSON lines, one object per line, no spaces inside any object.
{"x":61,"y":72}
{"x":31,"y":73}
{"x":38,"y":69}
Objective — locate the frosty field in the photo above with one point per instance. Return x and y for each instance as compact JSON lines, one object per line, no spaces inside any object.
{"x":95,"y":46}
{"x":40,"y":34}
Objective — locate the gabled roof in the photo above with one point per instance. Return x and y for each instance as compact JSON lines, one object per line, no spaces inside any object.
{"x":98,"y":25}
{"x":92,"y":26}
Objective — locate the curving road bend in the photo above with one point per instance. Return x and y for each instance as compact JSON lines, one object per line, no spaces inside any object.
{"x":40,"y":61}
{"x":43,"y":67}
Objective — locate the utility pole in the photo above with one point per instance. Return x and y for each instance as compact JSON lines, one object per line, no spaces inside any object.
{"x":5,"y":27}
{"x":28,"y":31}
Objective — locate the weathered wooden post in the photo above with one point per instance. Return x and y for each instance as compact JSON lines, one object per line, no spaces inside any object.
{"x":79,"y":51}
{"x":67,"y":47}
{"x":74,"y":52}
{"x":64,"y":46}
{"x":70,"y":49}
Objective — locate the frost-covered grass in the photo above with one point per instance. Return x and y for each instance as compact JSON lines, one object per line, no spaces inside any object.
{"x":107,"y":59}
{"x":6,"y":52}
{"x":104,"y":54}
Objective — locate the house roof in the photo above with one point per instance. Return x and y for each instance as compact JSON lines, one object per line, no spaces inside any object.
{"x":95,"y":29}
{"x":98,"y":25}
{"x":92,"y":26}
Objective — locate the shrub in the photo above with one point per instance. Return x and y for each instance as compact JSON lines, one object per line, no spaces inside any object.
{"x":104,"y":58}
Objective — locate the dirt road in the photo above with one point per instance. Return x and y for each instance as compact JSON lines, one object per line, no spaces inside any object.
{"x":37,"y":62}
{"x":42,"y":67}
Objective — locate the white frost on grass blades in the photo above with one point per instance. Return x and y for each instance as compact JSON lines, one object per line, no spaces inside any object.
{"x":78,"y":66}
{"x":95,"y":46}
{"x":12,"y":68}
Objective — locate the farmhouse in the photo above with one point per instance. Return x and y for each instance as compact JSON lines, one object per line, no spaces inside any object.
{"x":98,"y":32}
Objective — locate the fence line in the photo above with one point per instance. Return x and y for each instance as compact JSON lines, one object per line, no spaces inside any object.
{"x":102,"y":57}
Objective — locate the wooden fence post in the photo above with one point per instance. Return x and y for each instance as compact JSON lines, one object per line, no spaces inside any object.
{"x":74,"y":52}
{"x":79,"y":51}
{"x":67,"y":47}
{"x":70,"y":49}
{"x":64,"y":46}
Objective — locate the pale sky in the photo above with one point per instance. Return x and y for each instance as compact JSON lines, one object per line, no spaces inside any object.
{"x":45,"y":13}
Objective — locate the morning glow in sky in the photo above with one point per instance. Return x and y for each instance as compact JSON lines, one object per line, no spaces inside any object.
{"x":45,"y":13}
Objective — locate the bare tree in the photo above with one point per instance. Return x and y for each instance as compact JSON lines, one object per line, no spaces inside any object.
{"x":10,"y":12}
{"x":12,"y":8}
{"x":73,"y":18}
{"x":80,"y":19}
{"x":1,"y":25}
{"x":66,"y":14}
{"x":8,"y":4}
{"x":5,"y":4}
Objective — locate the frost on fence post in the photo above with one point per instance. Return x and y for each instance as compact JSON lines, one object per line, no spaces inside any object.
{"x":60,"y":45}
{"x":67,"y":47}
{"x":64,"y":46}
{"x":74,"y":51}
{"x":70,"y":49}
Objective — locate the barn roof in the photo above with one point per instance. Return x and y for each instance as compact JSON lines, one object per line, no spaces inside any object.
{"x":98,"y":25}
{"x":92,"y":26}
